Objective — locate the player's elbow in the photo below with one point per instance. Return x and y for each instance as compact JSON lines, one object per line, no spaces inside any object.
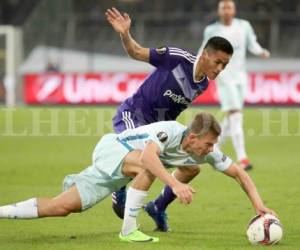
{"x":137,"y":53}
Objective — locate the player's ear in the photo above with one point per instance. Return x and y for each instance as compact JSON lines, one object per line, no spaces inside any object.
{"x":192,"y":136}
{"x":205,"y":55}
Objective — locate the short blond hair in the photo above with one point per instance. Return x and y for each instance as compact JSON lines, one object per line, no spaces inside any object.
{"x":203,"y":124}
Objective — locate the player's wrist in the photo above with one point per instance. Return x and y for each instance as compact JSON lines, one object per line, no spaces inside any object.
{"x":174,"y":183}
{"x":124,"y":33}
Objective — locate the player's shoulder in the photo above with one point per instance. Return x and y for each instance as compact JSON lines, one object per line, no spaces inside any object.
{"x":169,"y":127}
{"x":212,"y":25}
{"x":172,"y":124}
{"x":167,"y":131}
{"x":242,"y":22}
{"x":182,"y":54}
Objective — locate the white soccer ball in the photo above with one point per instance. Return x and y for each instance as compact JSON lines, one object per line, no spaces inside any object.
{"x":264,"y":230}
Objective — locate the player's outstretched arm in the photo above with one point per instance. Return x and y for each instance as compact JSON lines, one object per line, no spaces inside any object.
{"x":265,"y":54}
{"x":249,"y":187}
{"x":121,"y":24}
{"x":152,"y":163}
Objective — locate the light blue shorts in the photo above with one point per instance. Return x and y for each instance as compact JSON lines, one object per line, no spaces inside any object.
{"x":104,"y":176}
{"x":231,"y":96}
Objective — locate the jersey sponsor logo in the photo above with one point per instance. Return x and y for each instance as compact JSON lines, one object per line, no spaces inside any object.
{"x":162,"y":136}
{"x":224,"y":157}
{"x":161,"y":50}
{"x":189,"y":161}
{"x":176,"y":98}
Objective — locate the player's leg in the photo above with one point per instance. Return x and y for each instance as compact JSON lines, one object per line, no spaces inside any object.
{"x":62,"y":205}
{"x":136,"y":195}
{"x":122,"y":121}
{"x":81,"y":191}
{"x":232,"y":100}
{"x":237,"y":134}
{"x":225,"y":132}
{"x":235,"y":117}
{"x":157,"y":208}
{"x":228,"y":100}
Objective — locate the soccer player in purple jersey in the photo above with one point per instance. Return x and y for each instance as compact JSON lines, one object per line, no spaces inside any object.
{"x":179,"y":77}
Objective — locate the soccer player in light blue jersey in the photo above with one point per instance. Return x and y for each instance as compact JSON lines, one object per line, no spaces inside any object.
{"x":142,"y":153}
{"x":178,"y":78}
{"x":232,"y":82}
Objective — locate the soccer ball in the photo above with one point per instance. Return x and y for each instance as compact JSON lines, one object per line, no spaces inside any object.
{"x":264,"y":230}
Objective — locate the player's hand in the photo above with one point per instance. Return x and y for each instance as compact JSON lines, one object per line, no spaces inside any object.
{"x":265,"y":54}
{"x":265,"y":210}
{"x":183,"y":192}
{"x":120,"y":23}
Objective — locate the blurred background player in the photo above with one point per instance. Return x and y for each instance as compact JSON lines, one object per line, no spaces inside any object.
{"x":232,"y":82}
{"x":178,"y":79}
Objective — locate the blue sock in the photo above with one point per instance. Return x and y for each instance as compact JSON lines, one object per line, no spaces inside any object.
{"x":164,"y":199}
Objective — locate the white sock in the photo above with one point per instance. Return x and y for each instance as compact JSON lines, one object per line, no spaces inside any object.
{"x":237,"y":134}
{"x":134,"y":202}
{"x":225,"y":132}
{"x":21,"y":210}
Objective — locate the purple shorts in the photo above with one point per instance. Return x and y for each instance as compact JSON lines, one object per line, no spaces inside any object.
{"x":125,"y":120}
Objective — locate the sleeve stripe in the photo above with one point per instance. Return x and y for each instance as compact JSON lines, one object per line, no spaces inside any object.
{"x":130,"y":120}
{"x":127,"y":120}
{"x":127,"y":124}
{"x":192,"y":60}
{"x":182,"y":51}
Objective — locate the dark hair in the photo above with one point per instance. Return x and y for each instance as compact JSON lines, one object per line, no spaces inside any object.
{"x":219,"y":43}
{"x":204,"y":123}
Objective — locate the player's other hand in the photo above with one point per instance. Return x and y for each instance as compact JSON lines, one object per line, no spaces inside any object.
{"x":265,"y":210}
{"x":120,"y":23}
{"x":183,"y":192}
{"x":265,"y":54}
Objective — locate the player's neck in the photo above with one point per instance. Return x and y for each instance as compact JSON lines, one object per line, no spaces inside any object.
{"x":199,"y":77}
{"x":226,"y":22}
{"x":185,"y":144}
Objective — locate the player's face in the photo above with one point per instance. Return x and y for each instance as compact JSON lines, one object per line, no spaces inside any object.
{"x":203,"y":145}
{"x":214,"y":62}
{"x":226,"y":11}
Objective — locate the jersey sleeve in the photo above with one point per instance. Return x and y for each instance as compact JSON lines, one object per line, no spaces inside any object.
{"x":167,"y":135}
{"x":252,"y":45}
{"x":169,"y":57}
{"x":153,"y":138}
{"x":218,"y":160}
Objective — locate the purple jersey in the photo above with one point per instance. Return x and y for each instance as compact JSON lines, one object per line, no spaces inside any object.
{"x":166,"y":92}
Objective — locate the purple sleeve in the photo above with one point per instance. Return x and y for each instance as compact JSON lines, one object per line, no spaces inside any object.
{"x":161,"y":58}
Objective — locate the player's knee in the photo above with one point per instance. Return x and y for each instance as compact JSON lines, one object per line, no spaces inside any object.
{"x":190,"y":171}
{"x":194,"y":171}
{"x":63,"y":210}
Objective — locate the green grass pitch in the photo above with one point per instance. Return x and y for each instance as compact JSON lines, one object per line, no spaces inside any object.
{"x":40,"y":145}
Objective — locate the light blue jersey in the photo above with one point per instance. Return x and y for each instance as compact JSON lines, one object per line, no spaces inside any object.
{"x":168,"y":135}
{"x":105,"y":175}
